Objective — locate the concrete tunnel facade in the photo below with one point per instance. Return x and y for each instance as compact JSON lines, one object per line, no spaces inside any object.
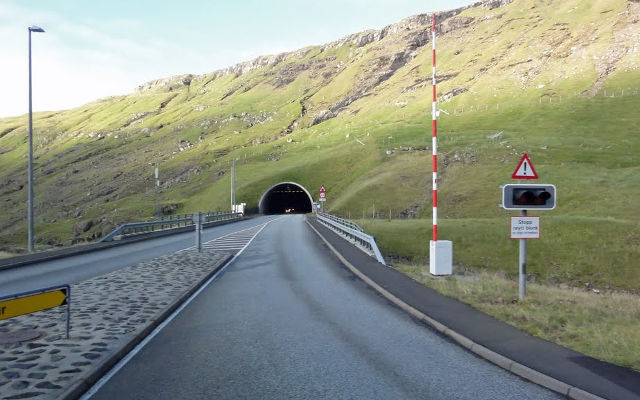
{"x":286,"y":197}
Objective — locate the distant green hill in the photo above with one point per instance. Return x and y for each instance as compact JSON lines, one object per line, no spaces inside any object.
{"x":559,"y":80}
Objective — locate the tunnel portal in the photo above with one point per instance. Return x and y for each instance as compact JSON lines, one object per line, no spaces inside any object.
{"x":284,"y":198}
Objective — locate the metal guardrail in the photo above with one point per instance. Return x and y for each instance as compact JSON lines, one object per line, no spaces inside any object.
{"x":353,"y":232}
{"x":136,"y":228}
{"x":342,"y":221}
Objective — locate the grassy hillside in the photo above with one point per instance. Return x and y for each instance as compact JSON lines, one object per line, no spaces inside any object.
{"x":558,"y":80}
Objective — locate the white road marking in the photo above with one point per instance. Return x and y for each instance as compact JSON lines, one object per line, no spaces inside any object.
{"x":231,"y":242}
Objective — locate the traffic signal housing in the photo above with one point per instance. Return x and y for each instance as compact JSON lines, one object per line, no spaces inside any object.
{"x":528,"y":197}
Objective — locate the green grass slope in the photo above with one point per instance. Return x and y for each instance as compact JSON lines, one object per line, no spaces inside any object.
{"x":557,"y":80}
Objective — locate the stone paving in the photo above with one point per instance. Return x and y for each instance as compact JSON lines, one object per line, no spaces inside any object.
{"x":107,"y":313}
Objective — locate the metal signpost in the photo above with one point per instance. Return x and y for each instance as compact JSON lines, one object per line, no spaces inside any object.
{"x":524,"y":197}
{"x":322,"y":197}
{"x":233,"y":183}
{"x":158,"y":211}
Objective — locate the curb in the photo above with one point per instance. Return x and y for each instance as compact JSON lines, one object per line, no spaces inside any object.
{"x":514,"y":367}
{"x":83,"y":383}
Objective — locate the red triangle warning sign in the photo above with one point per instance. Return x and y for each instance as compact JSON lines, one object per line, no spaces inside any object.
{"x":525,"y":169}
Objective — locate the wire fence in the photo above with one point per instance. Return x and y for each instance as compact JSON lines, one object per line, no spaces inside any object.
{"x":542,"y":100}
{"x":380,"y":213}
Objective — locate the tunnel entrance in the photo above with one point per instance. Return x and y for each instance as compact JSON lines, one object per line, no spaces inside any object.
{"x":284,"y":198}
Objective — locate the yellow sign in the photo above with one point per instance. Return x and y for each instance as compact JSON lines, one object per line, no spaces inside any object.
{"x":31,"y":303}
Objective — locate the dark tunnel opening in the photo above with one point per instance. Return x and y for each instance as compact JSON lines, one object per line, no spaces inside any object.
{"x":285,"y":198}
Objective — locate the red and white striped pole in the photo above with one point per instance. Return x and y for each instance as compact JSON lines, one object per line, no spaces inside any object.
{"x":440,"y":252}
{"x":434,"y":114}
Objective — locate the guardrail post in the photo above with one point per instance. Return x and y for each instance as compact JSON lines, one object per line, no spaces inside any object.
{"x":197,"y":219}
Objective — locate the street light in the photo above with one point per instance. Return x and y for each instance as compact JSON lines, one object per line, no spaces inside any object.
{"x":30,"y":200}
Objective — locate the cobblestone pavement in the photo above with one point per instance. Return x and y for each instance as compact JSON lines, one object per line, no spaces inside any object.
{"x":107,"y":313}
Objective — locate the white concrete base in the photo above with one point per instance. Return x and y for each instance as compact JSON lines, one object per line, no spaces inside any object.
{"x":441,"y":257}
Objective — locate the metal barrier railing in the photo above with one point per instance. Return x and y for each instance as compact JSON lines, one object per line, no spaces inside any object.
{"x":353,"y":232}
{"x":136,"y":228}
{"x":342,"y":221}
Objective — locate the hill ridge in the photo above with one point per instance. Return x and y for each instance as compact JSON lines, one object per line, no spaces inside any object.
{"x":359,"y":39}
{"x":555,"y":79}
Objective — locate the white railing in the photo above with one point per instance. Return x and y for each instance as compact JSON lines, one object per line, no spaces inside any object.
{"x":352,"y":232}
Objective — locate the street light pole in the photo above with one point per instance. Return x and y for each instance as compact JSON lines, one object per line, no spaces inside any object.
{"x":233,"y":184}
{"x":30,"y":178}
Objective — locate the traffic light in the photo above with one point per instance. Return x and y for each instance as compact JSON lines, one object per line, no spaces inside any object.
{"x":529,"y":197}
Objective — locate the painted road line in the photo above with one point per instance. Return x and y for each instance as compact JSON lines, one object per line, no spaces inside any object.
{"x":234,"y":241}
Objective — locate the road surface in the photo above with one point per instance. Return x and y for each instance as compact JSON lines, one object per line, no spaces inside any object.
{"x":84,"y":266}
{"x":287,"y":321}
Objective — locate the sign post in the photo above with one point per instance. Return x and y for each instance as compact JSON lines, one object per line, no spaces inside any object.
{"x":522,"y":265}
{"x":322,"y":195}
{"x":525,"y":197}
{"x":158,"y":212}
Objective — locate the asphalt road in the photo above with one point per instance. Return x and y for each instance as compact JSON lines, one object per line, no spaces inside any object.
{"x":84,"y":266}
{"x":287,"y":320}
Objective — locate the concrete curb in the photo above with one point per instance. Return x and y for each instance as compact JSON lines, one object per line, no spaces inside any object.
{"x":85,"y":381}
{"x":20,"y":261}
{"x":481,"y":351}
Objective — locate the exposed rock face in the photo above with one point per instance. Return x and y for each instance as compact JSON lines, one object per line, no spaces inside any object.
{"x":169,"y":209}
{"x":491,"y":4}
{"x":455,"y":23}
{"x":322,"y":116}
{"x":169,"y":83}
{"x":359,"y":40}
{"x":83,"y":226}
{"x":374,"y":73}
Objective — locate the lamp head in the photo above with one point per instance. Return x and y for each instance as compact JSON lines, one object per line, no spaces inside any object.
{"x":34,"y":28}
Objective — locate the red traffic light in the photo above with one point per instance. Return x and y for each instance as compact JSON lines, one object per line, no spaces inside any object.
{"x":529,"y":197}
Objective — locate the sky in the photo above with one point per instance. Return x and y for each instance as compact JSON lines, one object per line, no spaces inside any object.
{"x":93,"y":49}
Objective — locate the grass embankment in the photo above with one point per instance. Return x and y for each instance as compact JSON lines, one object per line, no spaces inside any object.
{"x":601,"y":325}
{"x":572,"y":250}
{"x":575,"y":263}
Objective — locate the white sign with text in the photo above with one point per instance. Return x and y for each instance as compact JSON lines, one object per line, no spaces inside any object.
{"x":525,"y":227}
